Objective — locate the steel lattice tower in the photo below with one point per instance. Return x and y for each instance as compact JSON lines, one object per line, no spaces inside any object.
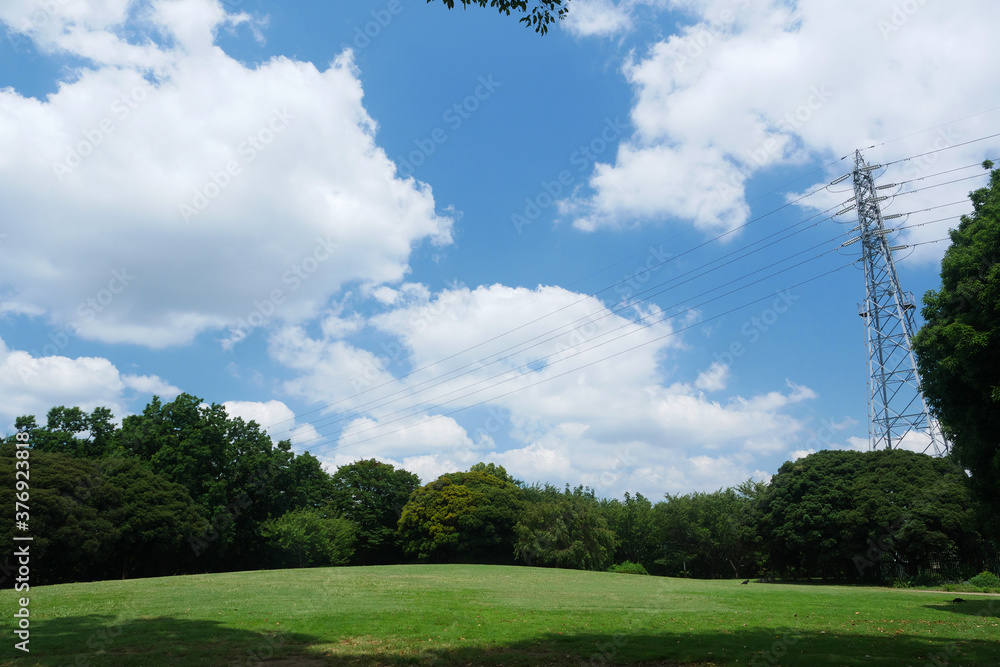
{"x":896,"y":406}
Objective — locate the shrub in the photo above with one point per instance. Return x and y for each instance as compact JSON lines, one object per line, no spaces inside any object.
{"x":628,"y":568}
{"x":310,"y":537}
{"x":985,"y":580}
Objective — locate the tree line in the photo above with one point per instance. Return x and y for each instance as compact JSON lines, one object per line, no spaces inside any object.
{"x":183,"y":488}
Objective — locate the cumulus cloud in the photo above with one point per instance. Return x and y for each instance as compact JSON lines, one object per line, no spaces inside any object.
{"x":170,"y":190}
{"x":743,"y":87}
{"x":32,"y":385}
{"x":714,"y":379}
{"x":520,"y":377}
{"x":274,"y":417}
{"x":588,"y":18}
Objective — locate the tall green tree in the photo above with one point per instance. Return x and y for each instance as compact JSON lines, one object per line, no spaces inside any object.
{"x":631,"y":519}
{"x":152,"y":517}
{"x":462,"y":517}
{"x":231,"y":468}
{"x":538,"y":14}
{"x":372,"y":495}
{"x":958,"y":349}
{"x":72,"y":431}
{"x":708,"y":535}
{"x":860,"y":515}
{"x":565,"y":530}
{"x":96,"y":519}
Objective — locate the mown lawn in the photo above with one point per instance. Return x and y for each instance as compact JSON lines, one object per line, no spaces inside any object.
{"x":487,"y":615}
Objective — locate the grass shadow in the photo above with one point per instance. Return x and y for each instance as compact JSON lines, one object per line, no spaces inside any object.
{"x":95,"y":639}
{"x":100,"y":639}
{"x":757,"y":648}
{"x":970,"y":607}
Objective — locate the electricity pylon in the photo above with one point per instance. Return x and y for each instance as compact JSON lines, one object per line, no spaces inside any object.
{"x":896,"y":405}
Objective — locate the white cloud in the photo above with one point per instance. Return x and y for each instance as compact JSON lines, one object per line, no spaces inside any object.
{"x":236,"y":196}
{"x":588,"y":18}
{"x":542,"y":404}
{"x":267,"y":414}
{"x":151,"y":384}
{"x":776,"y":83}
{"x":276,"y":418}
{"x":32,"y":385}
{"x":714,"y":379}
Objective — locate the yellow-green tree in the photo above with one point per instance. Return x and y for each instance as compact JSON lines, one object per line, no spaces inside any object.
{"x":462,"y":517}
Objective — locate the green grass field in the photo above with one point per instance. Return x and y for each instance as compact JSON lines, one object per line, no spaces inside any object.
{"x":487,"y":615}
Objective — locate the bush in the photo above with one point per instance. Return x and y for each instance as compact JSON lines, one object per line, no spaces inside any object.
{"x":985,"y":580}
{"x":628,"y":568}
{"x":311,"y":537}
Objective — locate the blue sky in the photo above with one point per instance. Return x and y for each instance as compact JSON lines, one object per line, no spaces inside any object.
{"x":385,"y":229}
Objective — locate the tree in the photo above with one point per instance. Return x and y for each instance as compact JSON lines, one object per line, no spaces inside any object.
{"x":72,"y":431}
{"x":231,"y":468}
{"x":708,"y":535}
{"x":153,"y":517}
{"x":98,"y":519}
{"x":632,"y":522}
{"x":372,"y":495}
{"x":851,"y":515}
{"x":496,"y":470}
{"x":565,"y":530}
{"x":958,"y":349}
{"x":542,"y":12}
{"x":311,"y":537}
{"x":463,"y":517}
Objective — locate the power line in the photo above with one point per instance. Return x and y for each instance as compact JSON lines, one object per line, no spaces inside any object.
{"x":635,"y":328}
{"x":570,"y":305}
{"x":548,"y":379}
{"x":602,"y":314}
{"x":716,"y":238}
{"x":929,"y":129}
